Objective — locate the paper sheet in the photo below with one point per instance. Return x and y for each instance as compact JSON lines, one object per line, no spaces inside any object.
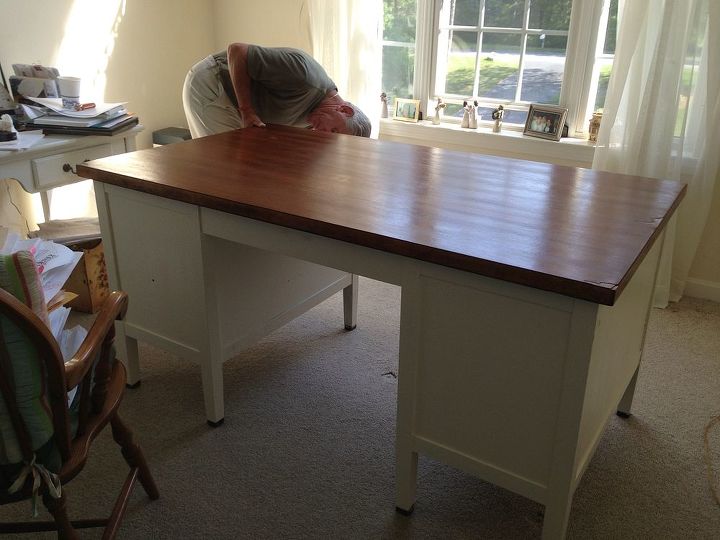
{"x":55,"y":262}
{"x":26,"y":139}
{"x":55,"y":104}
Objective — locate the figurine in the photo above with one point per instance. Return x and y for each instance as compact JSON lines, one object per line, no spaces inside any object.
{"x":594,"y":126}
{"x":466,"y":115}
{"x":384,"y":110}
{"x":7,"y":129}
{"x":497,"y":116}
{"x":439,"y":107}
{"x":472,"y":122}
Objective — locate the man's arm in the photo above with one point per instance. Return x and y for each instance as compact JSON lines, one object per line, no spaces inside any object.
{"x":237,"y":63}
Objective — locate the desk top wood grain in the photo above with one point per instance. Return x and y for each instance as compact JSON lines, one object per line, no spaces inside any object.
{"x":577,"y":232}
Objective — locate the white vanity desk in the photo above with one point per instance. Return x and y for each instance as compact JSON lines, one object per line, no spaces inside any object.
{"x":51,"y":162}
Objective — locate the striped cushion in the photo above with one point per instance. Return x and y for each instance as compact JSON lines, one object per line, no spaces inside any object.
{"x":21,"y":364}
{"x":19,"y":277}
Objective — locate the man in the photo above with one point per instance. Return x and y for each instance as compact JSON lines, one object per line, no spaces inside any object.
{"x":248,"y":85}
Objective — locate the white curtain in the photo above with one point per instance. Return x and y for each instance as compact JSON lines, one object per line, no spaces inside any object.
{"x":345,"y":38}
{"x":662,"y":115}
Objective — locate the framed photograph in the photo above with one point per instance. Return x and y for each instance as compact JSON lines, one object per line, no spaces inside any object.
{"x":407,"y":110}
{"x":7,"y":105}
{"x":545,"y":121}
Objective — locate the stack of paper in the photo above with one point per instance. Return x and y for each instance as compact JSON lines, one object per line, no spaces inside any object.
{"x":25,"y":139}
{"x":55,"y":263}
{"x":50,"y":115}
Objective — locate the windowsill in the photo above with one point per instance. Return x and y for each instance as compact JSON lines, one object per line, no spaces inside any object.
{"x":508,"y":143}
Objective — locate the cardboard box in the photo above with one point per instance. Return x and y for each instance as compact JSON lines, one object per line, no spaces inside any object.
{"x":89,"y":279}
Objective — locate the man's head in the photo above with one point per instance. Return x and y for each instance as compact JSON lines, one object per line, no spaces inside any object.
{"x":339,"y":116}
{"x":358,"y":124}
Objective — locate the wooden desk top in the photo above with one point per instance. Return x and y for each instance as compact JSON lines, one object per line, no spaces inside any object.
{"x":577,"y":232}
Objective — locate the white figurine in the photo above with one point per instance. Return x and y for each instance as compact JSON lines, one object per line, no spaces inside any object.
{"x":497,"y":116}
{"x":472,"y":123}
{"x":466,"y":115}
{"x":7,"y":129}
{"x":439,"y":107}
{"x":384,"y":110}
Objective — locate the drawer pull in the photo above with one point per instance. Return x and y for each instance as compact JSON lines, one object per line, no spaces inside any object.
{"x":68,"y":168}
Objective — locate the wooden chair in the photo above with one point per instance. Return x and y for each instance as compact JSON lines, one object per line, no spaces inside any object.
{"x":99,"y":393}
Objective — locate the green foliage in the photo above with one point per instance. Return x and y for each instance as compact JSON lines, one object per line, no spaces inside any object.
{"x":399,"y":18}
{"x":398,"y":72}
{"x":550,"y":14}
{"x":611,"y":34}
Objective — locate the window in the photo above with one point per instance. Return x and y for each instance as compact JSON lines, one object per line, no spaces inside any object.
{"x":398,"y":52}
{"x":604,"y":57}
{"x":510,"y":52}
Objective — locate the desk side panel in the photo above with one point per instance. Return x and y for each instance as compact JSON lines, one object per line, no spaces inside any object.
{"x":616,"y":351}
{"x":488,"y":378}
{"x":158,"y":262}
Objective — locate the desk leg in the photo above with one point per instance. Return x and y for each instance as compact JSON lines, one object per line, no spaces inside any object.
{"x":557,"y":514}
{"x":45,"y":202}
{"x":212,"y":384}
{"x":127,"y":352}
{"x":350,"y":303}
{"x":406,"y":458}
{"x":623,"y":408}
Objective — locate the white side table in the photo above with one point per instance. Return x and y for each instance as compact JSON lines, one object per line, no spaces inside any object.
{"x":51,"y":162}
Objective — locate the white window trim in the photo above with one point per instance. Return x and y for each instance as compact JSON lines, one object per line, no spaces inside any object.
{"x":581,"y":53}
{"x":574,"y":152}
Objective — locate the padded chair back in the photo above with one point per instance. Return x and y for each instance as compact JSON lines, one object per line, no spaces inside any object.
{"x":33,"y":409}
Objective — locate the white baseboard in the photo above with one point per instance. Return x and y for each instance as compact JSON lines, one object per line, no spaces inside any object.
{"x":701,"y":288}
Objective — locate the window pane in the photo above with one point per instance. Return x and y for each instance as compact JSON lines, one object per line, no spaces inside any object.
{"x":605,"y":63}
{"x":399,"y":20}
{"x":463,"y":42}
{"x":453,"y":109}
{"x":544,"y":67}
{"x":509,"y":117}
{"x":611,"y":33}
{"x":499,"y":65}
{"x":461,"y":63}
{"x":504,"y":13}
{"x":397,"y":72}
{"x":603,"y":80}
{"x":550,"y":14}
{"x":465,"y":12}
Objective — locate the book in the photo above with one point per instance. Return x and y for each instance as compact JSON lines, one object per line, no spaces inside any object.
{"x":60,"y":299}
{"x":64,"y":231}
{"x":109,"y":127}
{"x":60,"y":120}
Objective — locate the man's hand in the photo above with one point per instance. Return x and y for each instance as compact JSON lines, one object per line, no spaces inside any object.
{"x":250,"y":117}
{"x":237,"y":63}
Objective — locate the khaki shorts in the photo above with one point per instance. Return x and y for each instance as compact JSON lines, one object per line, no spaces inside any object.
{"x":208,"y":109}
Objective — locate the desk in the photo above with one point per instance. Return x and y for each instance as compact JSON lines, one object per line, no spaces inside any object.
{"x":526,"y":287}
{"x":40,"y":167}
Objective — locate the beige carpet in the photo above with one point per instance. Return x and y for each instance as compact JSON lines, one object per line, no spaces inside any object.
{"x":307,"y":448}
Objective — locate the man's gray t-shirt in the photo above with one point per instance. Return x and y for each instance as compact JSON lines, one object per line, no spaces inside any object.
{"x":287,"y":84}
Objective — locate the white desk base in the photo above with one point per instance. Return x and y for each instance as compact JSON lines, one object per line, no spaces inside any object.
{"x":510,"y":383}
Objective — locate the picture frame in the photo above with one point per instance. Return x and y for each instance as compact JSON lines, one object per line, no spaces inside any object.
{"x":545,"y":121}
{"x":406,"y":110}
{"x":7,"y":104}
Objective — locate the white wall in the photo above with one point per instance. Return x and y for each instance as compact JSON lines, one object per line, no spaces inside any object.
{"x":147,"y":48}
{"x":273,"y":23}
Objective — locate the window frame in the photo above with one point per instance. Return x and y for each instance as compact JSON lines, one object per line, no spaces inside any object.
{"x":582,"y":49}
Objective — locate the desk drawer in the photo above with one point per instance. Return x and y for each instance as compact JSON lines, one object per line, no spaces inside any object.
{"x":49,"y":173}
